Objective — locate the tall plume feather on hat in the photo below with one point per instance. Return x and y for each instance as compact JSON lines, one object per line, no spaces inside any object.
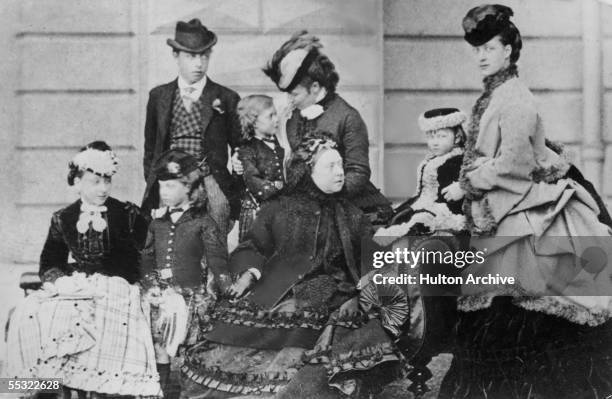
{"x":284,"y":65}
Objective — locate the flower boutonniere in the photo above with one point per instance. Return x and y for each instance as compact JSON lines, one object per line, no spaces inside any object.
{"x":312,"y":111}
{"x":216,"y":105}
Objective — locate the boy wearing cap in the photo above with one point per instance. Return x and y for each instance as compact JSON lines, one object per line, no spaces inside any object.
{"x":184,"y":258}
{"x":196,"y":115}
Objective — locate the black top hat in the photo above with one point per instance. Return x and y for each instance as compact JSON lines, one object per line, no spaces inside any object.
{"x":192,"y":37}
{"x":175,"y":164}
{"x":484,"y":22}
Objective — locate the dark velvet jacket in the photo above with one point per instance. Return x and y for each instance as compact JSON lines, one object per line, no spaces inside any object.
{"x":220,"y":130}
{"x":262,"y":167}
{"x":186,"y":247}
{"x":113,"y":252}
{"x":350,"y":132}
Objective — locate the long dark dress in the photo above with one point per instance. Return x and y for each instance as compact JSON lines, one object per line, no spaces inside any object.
{"x":307,"y":248}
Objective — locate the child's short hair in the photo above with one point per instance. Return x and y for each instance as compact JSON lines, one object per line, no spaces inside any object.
{"x":197,"y":190}
{"x":444,"y":118}
{"x":249,"y":109}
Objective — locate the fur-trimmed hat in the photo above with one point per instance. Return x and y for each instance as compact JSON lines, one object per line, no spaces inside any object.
{"x":441,"y":118}
{"x":484,"y":22}
{"x":175,"y":164}
{"x":291,"y":61}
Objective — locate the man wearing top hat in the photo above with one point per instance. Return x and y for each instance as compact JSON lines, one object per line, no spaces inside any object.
{"x":196,"y":115}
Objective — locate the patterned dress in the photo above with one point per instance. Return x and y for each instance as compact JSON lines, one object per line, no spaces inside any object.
{"x":86,"y":326}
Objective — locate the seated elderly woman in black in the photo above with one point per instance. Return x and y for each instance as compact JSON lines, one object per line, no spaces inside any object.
{"x":297,"y":330}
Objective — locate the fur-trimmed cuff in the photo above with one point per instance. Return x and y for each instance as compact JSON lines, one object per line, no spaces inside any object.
{"x":569,"y":311}
{"x":483,"y":222}
{"x":553,"y":173}
{"x":471,"y":192}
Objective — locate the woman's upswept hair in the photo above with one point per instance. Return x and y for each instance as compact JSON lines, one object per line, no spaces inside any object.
{"x":248,"y":111}
{"x":511,"y":35}
{"x":322,"y":70}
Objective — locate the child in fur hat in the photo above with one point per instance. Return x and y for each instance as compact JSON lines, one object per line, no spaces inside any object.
{"x":183,"y":260}
{"x":438,"y":198}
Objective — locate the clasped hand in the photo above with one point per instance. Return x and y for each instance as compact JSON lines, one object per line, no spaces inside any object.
{"x":453,"y":192}
{"x":237,"y":164}
{"x":241,"y":286}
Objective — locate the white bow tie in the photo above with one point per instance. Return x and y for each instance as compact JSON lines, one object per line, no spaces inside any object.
{"x":93,"y":208}
{"x":91,"y":215}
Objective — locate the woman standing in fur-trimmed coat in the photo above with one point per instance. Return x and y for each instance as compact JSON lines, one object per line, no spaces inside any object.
{"x":549,"y":335}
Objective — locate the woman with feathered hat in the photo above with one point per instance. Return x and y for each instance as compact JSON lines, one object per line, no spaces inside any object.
{"x":548,"y":335}
{"x":86,"y":326}
{"x":302,"y":70}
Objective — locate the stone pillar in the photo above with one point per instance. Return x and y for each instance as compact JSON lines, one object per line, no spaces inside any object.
{"x":592,"y":93}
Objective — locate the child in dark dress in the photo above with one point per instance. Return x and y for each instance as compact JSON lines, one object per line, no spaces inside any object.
{"x":262,"y":156}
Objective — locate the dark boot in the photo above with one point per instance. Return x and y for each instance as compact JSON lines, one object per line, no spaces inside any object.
{"x":163,"y":369}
